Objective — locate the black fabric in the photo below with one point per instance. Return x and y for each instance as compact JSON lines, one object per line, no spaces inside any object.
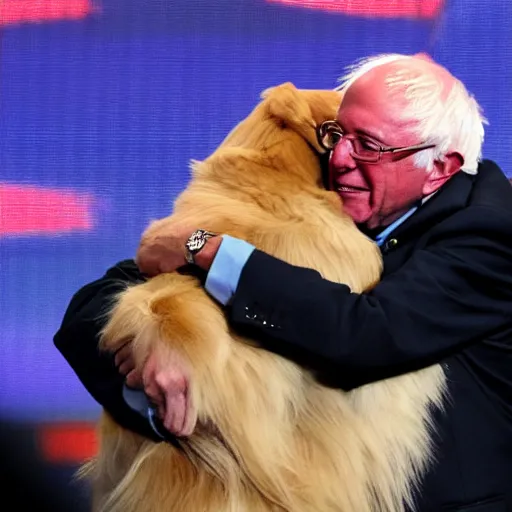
{"x":77,"y":340}
{"x":445,"y":297}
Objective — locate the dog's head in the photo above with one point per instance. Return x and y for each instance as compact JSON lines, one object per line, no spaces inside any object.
{"x":281,"y":132}
{"x":301,"y":110}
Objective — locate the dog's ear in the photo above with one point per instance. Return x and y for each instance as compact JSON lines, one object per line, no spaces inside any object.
{"x":302,"y":110}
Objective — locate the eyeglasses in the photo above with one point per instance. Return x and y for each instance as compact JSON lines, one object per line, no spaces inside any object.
{"x":329,"y":134}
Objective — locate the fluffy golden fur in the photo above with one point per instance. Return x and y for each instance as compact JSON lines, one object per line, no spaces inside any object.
{"x":269,"y":436}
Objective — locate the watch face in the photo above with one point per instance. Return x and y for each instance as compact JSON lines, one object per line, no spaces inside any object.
{"x":196,"y":241}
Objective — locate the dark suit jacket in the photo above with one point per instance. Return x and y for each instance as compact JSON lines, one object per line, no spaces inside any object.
{"x":446,"y":296}
{"x":77,"y":340}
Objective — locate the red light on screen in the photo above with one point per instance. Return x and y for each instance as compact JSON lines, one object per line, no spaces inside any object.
{"x":372,"y":8}
{"x":26,"y":11}
{"x":29,"y":210}
{"x":67,"y":443}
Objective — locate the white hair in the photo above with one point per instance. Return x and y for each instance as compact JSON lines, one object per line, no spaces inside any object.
{"x":453,"y":121}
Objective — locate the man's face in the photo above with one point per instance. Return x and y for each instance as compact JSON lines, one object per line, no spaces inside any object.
{"x":375,"y":194}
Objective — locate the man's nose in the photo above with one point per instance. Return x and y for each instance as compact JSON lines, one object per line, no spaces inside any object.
{"x":341,"y":156}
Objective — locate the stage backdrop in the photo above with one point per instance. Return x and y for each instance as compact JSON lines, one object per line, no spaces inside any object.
{"x":104,"y":102}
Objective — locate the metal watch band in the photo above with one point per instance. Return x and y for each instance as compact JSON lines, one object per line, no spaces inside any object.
{"x":196,"y":241}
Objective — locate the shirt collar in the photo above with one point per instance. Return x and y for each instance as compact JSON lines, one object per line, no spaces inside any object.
{"x":381,"y":237}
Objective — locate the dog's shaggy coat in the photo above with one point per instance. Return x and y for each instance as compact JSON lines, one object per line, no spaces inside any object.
{"x":269,"y":436}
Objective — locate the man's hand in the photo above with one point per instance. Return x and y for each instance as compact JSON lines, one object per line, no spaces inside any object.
{"x":125,"y":364}
{"x":162,"y":248}
{"x":165,"y":380}
{"x":166,"y":383}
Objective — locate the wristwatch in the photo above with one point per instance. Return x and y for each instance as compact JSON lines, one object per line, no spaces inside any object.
{"x":196,"y":241}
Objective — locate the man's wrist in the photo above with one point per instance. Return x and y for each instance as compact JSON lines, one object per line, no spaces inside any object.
{"x":204,"y":258}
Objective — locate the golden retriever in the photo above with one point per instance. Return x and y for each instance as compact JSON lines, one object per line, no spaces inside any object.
{"x":269,"y":436}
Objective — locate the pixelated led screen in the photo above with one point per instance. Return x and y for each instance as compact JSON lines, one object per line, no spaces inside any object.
{"x":103,"y":104}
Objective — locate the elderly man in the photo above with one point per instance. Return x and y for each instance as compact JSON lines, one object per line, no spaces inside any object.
{"x":404,"y":156}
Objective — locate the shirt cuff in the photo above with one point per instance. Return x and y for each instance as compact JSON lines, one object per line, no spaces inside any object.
{"x":136,"y":399}
{"x":224,"y":274}
{"x":139,"y":402}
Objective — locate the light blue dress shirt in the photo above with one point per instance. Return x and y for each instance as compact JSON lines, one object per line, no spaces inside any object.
{"x":227,"y":267}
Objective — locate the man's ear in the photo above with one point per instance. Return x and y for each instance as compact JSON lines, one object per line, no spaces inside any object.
{"x":443,"y":170}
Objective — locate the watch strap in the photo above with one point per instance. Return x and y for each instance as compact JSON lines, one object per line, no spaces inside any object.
{"x":195,"y":242}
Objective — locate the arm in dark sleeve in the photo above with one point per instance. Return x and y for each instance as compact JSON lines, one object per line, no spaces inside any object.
{"x":453,"y":293}
{"x":77,"y":340}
